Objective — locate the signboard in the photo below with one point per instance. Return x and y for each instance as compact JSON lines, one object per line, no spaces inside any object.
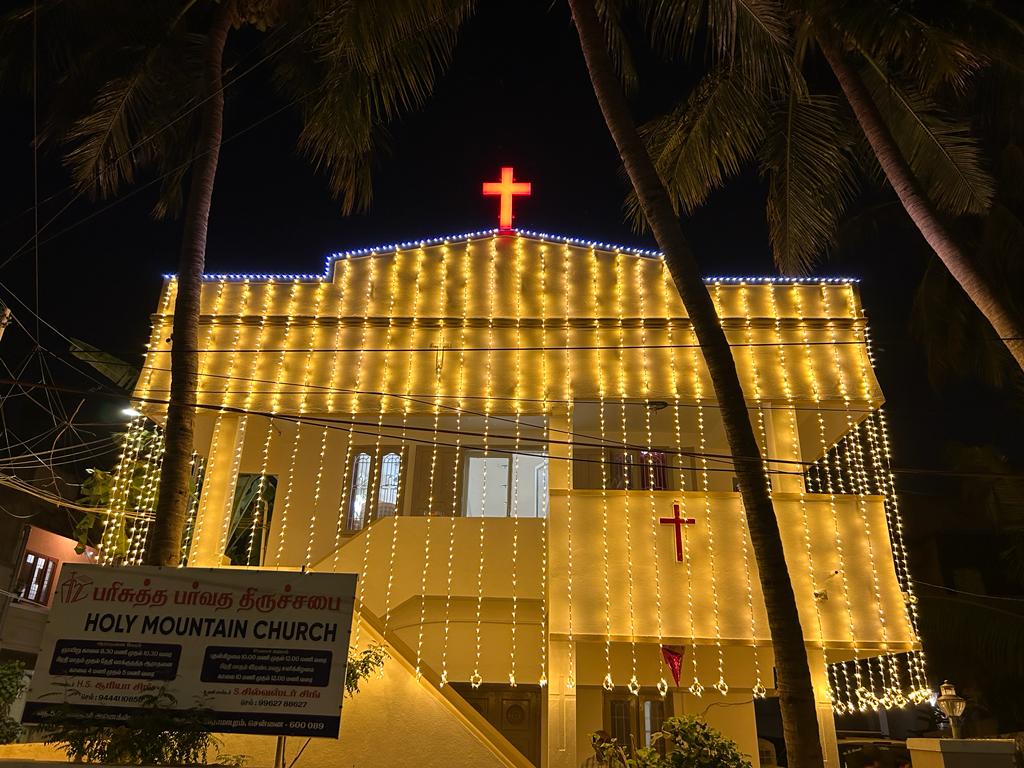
{"x":261,"y":652}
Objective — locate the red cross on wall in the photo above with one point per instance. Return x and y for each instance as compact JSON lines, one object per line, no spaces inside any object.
{"x":678,"y":521}
{"x":506,"y":188}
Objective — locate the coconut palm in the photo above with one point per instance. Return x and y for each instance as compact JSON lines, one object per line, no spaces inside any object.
{"x":142,"y":89}
{"x":796,"y":695}
{"x":899,"y":68}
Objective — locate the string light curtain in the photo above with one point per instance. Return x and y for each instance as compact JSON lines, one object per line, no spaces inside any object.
{"x":454,"y":365}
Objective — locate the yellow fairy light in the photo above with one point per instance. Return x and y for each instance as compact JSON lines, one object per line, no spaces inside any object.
{"x":332,"y":385}
{"x":346,"y":480}
{"x":887,"y":686}
{"x":543,"y":502}
{"x":147,"y":498}
{"x":307,"y":369}
{"x":115,"y":517}
{"x":878,"y":442}
{"x":517,"y":400}
{"x":141,"y":489}
{"x":204,"y":362}
{"x":609,"y":684}
{"x":759,"y":690}
{"x":269,"y":289}
{"x":566,"y":285}
{"x":441,"y":311}
{"x":229,"y":380}
{"x":667,"y":290}
{"x":410,"y":367}
{"x":123,"y":473}
{"x":372,"y":496}
{"x":862,"y":694}
{"x":790,"y":401}
{"x":275,"y":408}
{"x":466,"y":259}
{"x":634,"y":683}
{"x":196,"y":471}
{"x":475,"y":679}
{"x":698,"y":393}
{"x":641,"y":284}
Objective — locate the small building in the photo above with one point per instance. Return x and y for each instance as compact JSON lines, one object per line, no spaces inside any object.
{"x":513,"y":440}
{"x":38,"y":556}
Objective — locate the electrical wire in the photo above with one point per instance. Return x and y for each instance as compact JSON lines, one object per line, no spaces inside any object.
{"x":345,"y":424}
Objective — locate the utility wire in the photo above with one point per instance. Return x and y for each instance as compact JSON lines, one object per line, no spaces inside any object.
{"x":345,"y":424}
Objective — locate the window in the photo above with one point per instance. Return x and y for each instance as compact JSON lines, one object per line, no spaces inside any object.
{"x":387,"y":491}
{"x":358,"y":492}
{"x":373,"y":488}
{"x":635,"y":470}
{"x":633,"y":720}
{"x":505,"y":485}
{"x":36,"y":578}
{"x":251,"y":512}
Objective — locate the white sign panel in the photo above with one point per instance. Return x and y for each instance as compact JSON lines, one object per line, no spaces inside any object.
{"x":262,"y":652}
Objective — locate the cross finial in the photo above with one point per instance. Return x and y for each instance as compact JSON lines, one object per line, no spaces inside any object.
{"x":506,"y":188}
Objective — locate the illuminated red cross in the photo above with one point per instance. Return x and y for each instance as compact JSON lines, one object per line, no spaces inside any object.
{"x":678,"y":522}
{"x":506,"y":188}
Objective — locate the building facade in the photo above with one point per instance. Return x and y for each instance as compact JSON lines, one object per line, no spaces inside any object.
{"x":513,"y":440}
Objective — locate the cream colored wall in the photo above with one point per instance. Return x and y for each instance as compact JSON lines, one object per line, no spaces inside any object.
{"x":726,"y":523}
{"x":393,"y":721}
{"x":346,"y":313}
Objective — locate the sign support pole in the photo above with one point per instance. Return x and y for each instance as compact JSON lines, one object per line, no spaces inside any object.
{"x":279,"y":755}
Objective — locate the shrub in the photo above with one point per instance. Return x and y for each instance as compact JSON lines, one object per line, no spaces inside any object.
{"x":689,"y":743}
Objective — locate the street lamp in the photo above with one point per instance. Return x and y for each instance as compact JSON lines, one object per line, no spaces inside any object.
{"x":952,"y":706}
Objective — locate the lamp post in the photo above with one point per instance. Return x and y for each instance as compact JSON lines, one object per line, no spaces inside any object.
{"x":952,"y":706}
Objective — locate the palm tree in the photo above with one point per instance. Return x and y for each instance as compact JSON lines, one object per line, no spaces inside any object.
{"x":796,"y":695}
{"x":142,"y":90}
{"x":895,"y":65}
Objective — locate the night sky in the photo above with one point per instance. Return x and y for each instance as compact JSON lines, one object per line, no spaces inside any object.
{"x":517,"y":94}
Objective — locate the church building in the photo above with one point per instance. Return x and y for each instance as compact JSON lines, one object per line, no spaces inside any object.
{"x":513,"y":440}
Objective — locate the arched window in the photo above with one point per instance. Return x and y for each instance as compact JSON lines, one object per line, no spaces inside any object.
{"x":358,"y":491}
{"x":387,"y":491}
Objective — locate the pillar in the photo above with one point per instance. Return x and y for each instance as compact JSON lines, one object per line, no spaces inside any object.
{"x":218,"y":492}
{"x":560,"y":725}
{"x":779,"y":422}
{"x":823,"y":707}
{"x":561,"y":709}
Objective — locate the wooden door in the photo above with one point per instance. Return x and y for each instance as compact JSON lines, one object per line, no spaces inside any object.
{"x":514,"y":712}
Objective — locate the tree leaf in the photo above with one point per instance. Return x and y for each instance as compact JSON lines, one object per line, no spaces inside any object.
{"x":751,"y":35}
{"x":705,"y":140}
{"x":807,"y":161}
{"x":943,"y":155}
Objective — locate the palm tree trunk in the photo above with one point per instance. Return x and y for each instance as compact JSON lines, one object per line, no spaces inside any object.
{"x":165,"y":546}
{"x":916,"y":203}
{"x":796,"y":695}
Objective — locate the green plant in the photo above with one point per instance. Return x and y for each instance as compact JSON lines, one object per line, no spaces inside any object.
{"x":689,"y":743}
{"x":12,"y":683}
{"x":156,"y":735}
{"x":361,"y":665}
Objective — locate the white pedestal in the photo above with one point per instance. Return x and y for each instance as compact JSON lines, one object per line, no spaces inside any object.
{"x":961,"y":753}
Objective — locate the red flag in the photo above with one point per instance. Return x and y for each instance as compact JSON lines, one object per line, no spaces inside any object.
{"x":674,"y":660}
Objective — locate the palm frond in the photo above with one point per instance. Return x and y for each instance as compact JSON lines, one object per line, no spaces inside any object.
{"x":922,"y":49}
{"x":807,"y":161}
{"x":943,"y":155}
{"x":705,"y":140}
{"x":371,"y":63}
{"x":125,"y":127}
{"x":610,"y":13}
{"x":994,"y":34}
{"x":751,"y":35}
